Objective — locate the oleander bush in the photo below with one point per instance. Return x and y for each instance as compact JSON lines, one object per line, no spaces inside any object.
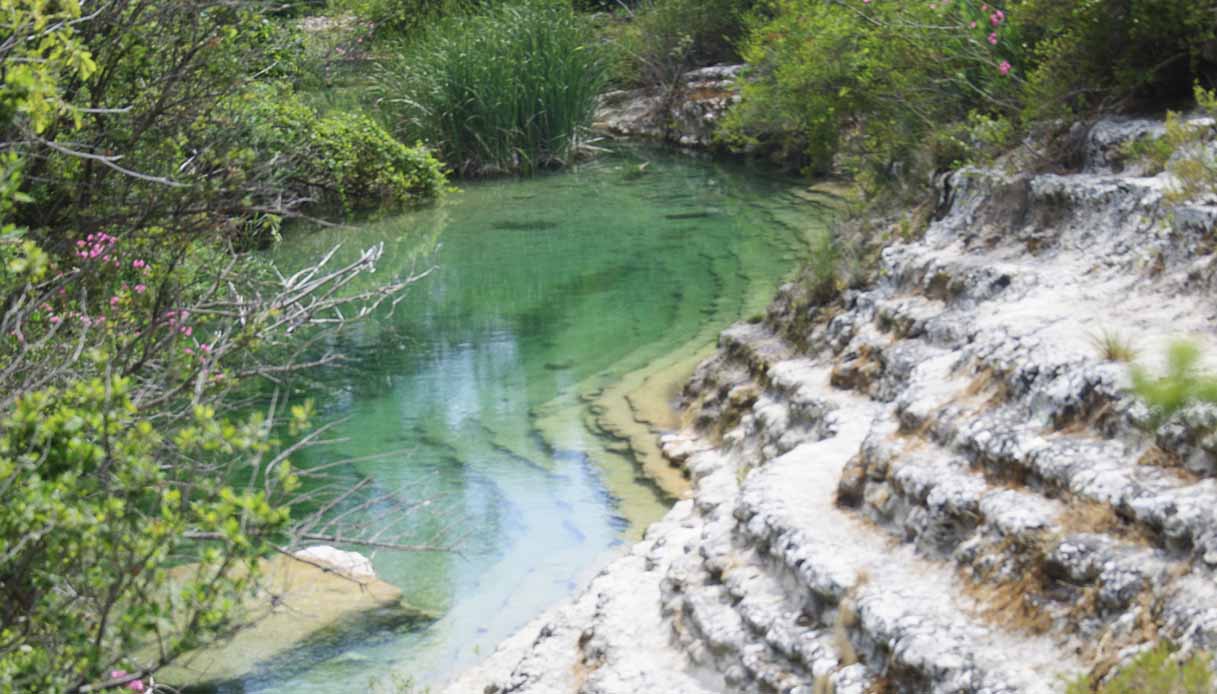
{"x":872,"y":87}
{"x":1111,"y":54}
{"x":893,"y":91}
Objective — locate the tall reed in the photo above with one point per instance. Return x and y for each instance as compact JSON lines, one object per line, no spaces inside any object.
{"x":507,"y":90}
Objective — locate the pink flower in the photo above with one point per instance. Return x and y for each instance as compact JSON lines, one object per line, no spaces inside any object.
{"x":993,"y":38}
{"x":56,"y":320}
{"x":1004,"y":68}
{"x":137,"y":264}
{"x":140,"y":289}
{"x":205,"y":347}
{"x":973,"y":24}
{"x":114,"y":301}
{"x":133,"y":685}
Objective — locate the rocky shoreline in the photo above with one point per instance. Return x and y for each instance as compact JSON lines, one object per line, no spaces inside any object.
{"x":936,"y":483}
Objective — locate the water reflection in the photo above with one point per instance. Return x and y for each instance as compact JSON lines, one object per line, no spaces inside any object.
{"x":509,"y":385}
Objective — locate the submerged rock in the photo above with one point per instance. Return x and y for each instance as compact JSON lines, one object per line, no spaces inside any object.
{"x":933,"y":484}
{"x":303,"y":597}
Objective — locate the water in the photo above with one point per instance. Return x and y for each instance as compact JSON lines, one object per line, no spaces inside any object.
{"x":514,"y":395}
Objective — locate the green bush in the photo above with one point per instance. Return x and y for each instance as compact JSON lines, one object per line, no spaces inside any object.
{"x":93,"y":520}
{"x":343,"y":159}
{"x":1107,"y":53}
{"x":882,"y":83}
{"x":506,"y":90}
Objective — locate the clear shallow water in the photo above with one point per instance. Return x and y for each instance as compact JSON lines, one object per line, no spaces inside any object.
{"x":491,"y":391}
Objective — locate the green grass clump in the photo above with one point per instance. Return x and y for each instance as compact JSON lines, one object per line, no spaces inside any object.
{"x":507,"y":90}
{"x":1154,"y":671}
{"x":1182,"y":385}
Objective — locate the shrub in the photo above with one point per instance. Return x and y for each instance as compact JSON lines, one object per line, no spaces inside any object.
{"x":343,"y":159}
{"x":506,"y":90}
{"x":876,"y":82}
{"x":1106,"y":53}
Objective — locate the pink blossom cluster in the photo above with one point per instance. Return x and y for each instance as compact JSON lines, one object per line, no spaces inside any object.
{"x":100,"y":247}
{"x":133,"y":685}
{"x":96,"y":245}
{"x":996,"y":19}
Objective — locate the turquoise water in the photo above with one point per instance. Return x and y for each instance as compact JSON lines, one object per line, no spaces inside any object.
{"x":487,"y":410}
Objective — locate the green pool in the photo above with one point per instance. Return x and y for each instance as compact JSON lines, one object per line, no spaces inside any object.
{"x":511,"y":401}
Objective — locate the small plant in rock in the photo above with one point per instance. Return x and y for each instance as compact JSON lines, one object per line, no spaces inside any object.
{"x":1195,"y":163}
{"x":820,"y":276}
{"x":1187,"y":150}
{"x":1156,"y":670}
{"x":1183,"y":384}
{"x":1113,"y":346}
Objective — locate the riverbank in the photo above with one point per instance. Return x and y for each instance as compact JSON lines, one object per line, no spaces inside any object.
{"x":937,"y":482}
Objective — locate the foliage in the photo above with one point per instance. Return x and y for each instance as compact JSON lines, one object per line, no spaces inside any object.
{"x":1194,"y":164}
{"x":1187,"y":151}
{"x":88,"y":539}
{"x":1156,"y":670}
{"x":391,"y":18}
{"x":40,"y":50}
{"x":1100,"y":53}
{"x":667,"y":38}
{"x":128,"y":324}
{"x":820,"y":277}
{"x":1182,"y":385}
{"x":343,"y":159}
{"x":519,"y":105}
{"x":875,"y":81}
{"x":163,"y":143}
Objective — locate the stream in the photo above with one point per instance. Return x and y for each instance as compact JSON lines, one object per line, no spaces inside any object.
{"x":509,"y":405}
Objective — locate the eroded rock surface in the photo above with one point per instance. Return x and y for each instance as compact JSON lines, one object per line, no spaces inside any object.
{"x":937,"y":484}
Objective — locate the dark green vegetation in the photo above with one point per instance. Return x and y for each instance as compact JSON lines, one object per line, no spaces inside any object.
{"x":504,"y":90}
{"x":893,"y":91}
